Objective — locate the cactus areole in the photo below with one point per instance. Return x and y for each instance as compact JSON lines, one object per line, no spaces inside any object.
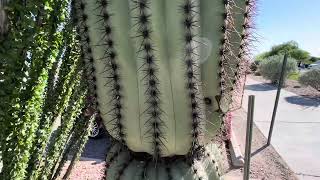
{"x":163,"y":72}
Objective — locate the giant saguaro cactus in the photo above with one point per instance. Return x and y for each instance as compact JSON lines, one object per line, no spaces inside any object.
{"x":163,"y":75}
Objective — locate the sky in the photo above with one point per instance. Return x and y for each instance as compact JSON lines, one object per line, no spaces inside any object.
{"x":280,"y":21}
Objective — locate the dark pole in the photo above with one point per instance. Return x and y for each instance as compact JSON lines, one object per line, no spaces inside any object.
{"x":277,"y":98}
{"x":248,"y":138}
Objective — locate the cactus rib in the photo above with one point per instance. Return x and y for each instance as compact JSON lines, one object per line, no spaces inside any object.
{"x":192,"y":85}
{"x":112,"y":70}
{"x":150,"y":79}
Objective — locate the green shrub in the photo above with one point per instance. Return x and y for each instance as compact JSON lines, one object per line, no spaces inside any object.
{"x":311,"y":78}
{"x":294,"y":76}
{"x":270,"y":68}
{"x":253,"y":67}
{"x":257,"y":73}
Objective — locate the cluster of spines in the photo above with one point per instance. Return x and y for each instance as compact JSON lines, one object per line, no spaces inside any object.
{"x":81,"y":18}
{"x":189,"y":22}
{"x":225,"y":51}
{"x":247,"y":26}
{"x":112,"y":71}
{"x":150,"y":79}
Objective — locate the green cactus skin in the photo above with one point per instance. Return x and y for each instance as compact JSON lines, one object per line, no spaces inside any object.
{"x":122,"y":165}
{"x":146,"y":58}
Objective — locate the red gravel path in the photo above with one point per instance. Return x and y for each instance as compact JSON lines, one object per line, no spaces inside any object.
{"x":87,"y":170}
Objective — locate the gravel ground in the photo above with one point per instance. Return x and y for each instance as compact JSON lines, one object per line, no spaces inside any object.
{"x":293,"y":86}
{"x":91,"y":165}
{"x":266,"y":163}
{"x":87,"y":170}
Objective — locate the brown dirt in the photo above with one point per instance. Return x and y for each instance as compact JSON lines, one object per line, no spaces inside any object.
{"x":91,"y":165}
{"x":293,"y":86}
{"x":266,"y":163}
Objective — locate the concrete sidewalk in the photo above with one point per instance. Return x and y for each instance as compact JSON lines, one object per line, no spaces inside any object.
{"x":296,"y":134}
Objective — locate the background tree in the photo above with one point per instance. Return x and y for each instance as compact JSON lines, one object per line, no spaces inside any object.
{"x":314,"y":59}
{"x":291,"y":48}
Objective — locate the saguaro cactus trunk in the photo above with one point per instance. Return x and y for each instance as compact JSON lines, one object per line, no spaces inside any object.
{"x":163,"y":75}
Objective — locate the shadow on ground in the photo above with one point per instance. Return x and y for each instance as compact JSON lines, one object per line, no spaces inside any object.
{"x":96,"y":148}
{"x":303,"y":101}
{"x":261,"y":87}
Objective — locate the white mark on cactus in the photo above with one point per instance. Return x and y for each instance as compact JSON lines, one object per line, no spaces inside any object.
{"x":205,"y":46}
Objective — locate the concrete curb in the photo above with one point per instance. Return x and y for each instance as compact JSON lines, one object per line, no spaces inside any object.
{"x":237,"y":159}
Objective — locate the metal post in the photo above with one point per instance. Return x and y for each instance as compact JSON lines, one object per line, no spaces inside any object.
{"x":277,"y":98}
{"x":248,"y":138}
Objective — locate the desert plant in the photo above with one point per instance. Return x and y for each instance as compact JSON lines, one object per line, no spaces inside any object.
{"x":294,"y":76}
{"x":41,"y":75}
{"x":311,"y":78}
{"x":254,"y":66}
{"x":290,"y":48}
{"x":270,"y":68}
{"x":314,"y":59}
{"x":148,"y":82}
{"x":137,"y":64}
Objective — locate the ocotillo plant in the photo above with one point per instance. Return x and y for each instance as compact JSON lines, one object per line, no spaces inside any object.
{"x":164,"y":73}
{"x":41,"y":82}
